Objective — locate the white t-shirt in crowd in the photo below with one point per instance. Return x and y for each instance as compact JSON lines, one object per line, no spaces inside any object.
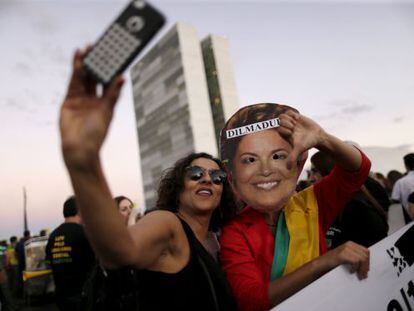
{"x":403,"y":188}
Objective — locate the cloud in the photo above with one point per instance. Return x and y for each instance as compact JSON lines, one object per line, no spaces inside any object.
{"x":356,"y":109}
{"x":340,"y":113}
{"x":28,"y":53}
{"x":406,"y":147}
{"x":13,"y":103}
{"x":27,"y":100}
{"x":57,"y":55}
{"x":44,"y":24}
{"x":23,"y":68}
{"x":398,"y":119}
{"x":350,"y":107}
{"x":342,"y":102}
{"x":10,"y":102}
{"x":323,"y":117}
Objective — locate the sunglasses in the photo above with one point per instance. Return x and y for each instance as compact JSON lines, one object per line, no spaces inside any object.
{"x":195,"y":173}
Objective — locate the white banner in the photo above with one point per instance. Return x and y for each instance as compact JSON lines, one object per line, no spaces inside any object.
{"x":389,"y":286}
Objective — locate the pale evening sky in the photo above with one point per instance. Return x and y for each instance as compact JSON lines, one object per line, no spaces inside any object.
{"x":349,"y":65}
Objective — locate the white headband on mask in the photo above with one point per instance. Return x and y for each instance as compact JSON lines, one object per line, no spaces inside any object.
{"x":253,"y":128}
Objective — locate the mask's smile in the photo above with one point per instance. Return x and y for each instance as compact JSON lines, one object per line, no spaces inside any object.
{"x":266,"y":185}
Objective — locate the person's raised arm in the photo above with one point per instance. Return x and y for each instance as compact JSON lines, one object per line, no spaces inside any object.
{"x":304,"y":134}
{"x":84,"y":121}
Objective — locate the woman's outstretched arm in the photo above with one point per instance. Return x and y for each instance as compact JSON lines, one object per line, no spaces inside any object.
{"x":85,"y":118}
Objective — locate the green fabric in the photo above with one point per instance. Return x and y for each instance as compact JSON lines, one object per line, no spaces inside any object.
{"x":281,"y":248}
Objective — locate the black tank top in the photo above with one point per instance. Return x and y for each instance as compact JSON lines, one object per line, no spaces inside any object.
{"x":200,"y":285}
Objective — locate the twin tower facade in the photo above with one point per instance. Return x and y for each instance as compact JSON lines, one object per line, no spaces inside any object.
{"x":184,"y":91}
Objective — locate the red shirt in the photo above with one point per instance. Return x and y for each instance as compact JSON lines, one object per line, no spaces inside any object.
{"x":247,"y":245}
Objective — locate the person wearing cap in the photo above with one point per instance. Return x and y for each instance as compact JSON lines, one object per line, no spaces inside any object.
{"x":275,"y":246}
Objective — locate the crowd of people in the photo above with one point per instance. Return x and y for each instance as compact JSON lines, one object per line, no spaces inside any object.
{"x":236,"y":233}
{"x":67,"y":253}
{"x":12,"y":265}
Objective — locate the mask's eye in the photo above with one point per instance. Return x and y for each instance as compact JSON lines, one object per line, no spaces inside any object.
{"x":248,"y":160}
{"x":279,"y":156}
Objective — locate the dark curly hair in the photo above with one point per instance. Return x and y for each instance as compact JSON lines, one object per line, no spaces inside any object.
{"x":172,"y":184}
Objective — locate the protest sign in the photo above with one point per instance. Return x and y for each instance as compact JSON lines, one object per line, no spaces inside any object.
{"x":389,"y":286}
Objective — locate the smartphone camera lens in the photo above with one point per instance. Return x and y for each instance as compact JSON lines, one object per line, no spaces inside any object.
{"x":135,"y":23}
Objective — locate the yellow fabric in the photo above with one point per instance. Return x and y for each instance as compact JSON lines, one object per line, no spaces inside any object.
{"x":34,"y":274}
{"x":11,"y":256}
{"x":301,"y":214}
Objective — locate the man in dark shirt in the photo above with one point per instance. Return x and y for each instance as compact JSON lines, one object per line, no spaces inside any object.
{"x":359,"y":222}
{"x":71,"y":258}
{"x":363,"y":219}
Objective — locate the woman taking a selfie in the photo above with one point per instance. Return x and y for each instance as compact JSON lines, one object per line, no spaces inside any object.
{"x":165,"y":248}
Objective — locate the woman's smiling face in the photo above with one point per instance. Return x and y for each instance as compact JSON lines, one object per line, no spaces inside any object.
{"x":203,"y":195}
{"x":260,"y":175}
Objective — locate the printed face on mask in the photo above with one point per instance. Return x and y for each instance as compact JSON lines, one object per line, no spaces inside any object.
{"x":261,"y":178}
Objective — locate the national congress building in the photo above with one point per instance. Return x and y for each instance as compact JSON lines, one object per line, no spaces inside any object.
{"x":183,"y":90}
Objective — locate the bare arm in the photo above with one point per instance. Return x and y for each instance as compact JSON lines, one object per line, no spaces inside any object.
{"x":304,"y":134}
{"x":349,"y":253}
{"x":84,"y":121}
{"x":344,"y":155}
{"x":116,"y":245}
